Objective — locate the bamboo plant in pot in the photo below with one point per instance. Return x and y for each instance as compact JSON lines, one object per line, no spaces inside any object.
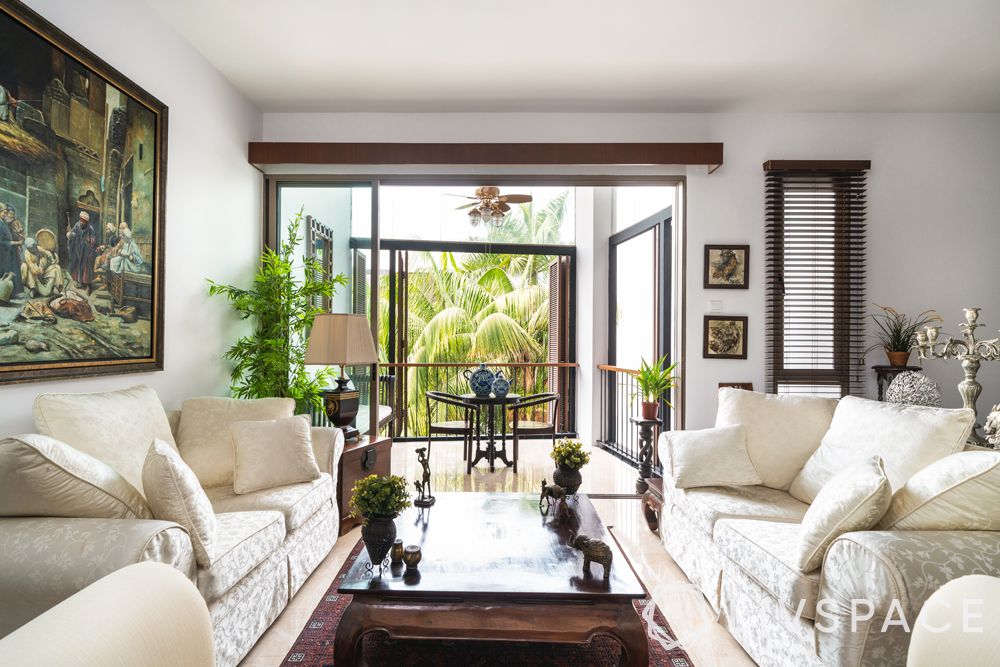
{"x":655,"y":382}
{"x":896,"y":332}
{"x":379,"y":499}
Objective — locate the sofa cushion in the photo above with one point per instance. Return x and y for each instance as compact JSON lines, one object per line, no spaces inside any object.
{"x":906,"y":437}
{"x":958,"y":492}
{"x":40,"y":476}
{"x":710,"y":457}
{"x":243,"y":540}
{"x":174,"y":494}
{"x":203,"y":433}
{"x":855,"y":499}
{"x":114,"y":426}
{"x":272,"y":453}
{"x":782,"y":430}
{"x":297,"y":502}
{"x":765,"y":551}
{"x":706,"y":505}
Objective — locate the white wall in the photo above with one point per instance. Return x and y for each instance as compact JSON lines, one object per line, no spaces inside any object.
{"x":934,"y":200}
{"x":213,"y":218}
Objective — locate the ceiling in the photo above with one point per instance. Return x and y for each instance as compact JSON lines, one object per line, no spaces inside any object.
{"x":600,"y":55}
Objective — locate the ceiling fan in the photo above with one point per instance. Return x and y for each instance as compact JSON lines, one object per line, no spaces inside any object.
{"x":490,"y":205}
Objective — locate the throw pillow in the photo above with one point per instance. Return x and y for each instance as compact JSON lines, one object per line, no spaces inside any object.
{"x":711,"y":457}
{"x":115,"y":427}
{"x":855,"y":499}
{"x":272,"y":453}
{"x":203,"y":433}
{"x":907,"y":437}
{"x":40,"y":476}
{"x":959,"y":492}
{"x":782,"y":431}
{"x":175,"y":495}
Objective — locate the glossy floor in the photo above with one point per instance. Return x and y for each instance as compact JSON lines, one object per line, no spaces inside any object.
{"x":686,"y":610}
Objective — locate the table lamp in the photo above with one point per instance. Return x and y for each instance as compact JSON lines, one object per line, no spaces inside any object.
{"x":341,"y":339}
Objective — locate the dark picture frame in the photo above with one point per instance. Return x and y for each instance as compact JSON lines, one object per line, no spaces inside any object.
{"x":93,"y":144}
{"x":726,"y":263}
{"x":724,"y":337}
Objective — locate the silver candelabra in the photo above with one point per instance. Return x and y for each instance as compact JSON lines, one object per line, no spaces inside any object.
{"x":972,"y":352}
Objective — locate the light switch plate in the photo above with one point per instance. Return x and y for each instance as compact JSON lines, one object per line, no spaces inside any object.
{"x":715,"y":306}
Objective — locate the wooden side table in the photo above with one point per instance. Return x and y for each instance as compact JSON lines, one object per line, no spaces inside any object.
{"x":363,"y":457}
{"x":652,"y":503}
{"x":645,"y":451}
{"x":884,"y":375}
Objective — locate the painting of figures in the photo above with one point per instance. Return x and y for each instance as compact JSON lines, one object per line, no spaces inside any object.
{"x":82,"y":174}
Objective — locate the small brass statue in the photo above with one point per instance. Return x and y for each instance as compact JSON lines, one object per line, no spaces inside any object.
{"x":553,"y":493}
{"x":423,"y":486}
{"x":593,"y":550}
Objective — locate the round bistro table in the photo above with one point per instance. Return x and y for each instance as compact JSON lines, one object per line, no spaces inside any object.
{"x":491,"y":452}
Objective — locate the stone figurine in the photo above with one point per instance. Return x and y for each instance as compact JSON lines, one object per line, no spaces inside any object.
{"x":423,"y":485}
{"x":553,"y":493}
{"x":993,"y":427}
{"x":596,"y":551}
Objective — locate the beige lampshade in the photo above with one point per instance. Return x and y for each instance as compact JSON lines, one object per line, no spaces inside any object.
{"x":341,"y":339}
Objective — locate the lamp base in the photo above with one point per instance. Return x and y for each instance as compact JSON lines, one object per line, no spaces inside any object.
{"x":341,"y":407}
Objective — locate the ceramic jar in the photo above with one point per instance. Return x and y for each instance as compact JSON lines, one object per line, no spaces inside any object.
{"x":568,"y":478}
{"x":480,"y":380}
{"x":378,"y":533}
{"x":501,"y":385}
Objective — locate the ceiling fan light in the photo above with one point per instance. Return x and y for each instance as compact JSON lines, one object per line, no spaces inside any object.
{"x":475,"y":217}
{"x":496,"y":218}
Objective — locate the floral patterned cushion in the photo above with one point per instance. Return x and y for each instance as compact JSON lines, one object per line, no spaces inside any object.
{"x":297,"y":502}
{"x":765,"y":551}
{"x":243,"y":540}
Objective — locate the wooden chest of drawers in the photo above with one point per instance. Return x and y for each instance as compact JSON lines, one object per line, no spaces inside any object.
{"x":360,"y":459}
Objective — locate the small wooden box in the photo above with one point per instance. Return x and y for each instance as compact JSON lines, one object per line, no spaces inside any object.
{"x":360,"y":459}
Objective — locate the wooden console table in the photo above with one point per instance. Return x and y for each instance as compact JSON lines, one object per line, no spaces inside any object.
{"x":652,"y":503}
{"x":363,"y":457}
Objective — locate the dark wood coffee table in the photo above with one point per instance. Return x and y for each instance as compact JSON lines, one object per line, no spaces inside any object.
{"x":494,"y":568}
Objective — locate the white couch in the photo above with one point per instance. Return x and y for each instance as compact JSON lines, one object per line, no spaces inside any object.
{"x":737,"y":545}
{"x":267,"y":542}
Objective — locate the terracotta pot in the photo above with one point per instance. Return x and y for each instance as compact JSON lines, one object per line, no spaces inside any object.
{"x":378,"y":533}
{"x":898,"y":359}
{"x":568,"y":478}
{"x":650,"y":410}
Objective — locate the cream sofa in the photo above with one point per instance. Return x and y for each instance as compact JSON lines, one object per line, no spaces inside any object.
{"x":266,"y":545}
{"x":737,"y":545}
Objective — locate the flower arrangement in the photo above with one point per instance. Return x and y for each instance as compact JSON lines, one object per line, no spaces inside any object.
{"x":569,"y":453}
{"x":379,"y":496}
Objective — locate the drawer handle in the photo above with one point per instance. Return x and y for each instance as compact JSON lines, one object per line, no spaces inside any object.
{"x":369,"y":458}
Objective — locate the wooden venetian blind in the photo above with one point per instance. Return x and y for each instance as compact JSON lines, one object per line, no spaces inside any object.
{"x":815,"y":276}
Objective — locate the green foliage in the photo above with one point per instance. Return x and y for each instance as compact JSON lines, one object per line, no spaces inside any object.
{"x":270,"y":361}
{"x":569,"y":453}
{"x":655,"y":380}
{"x":897,"y":332}
{"x":379,"y":496}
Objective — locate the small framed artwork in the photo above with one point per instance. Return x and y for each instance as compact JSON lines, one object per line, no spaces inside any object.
{"x":727,"y":267}
{"x":725,"y":337}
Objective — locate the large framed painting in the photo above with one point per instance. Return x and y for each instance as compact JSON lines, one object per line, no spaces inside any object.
{"x":82,"y":184}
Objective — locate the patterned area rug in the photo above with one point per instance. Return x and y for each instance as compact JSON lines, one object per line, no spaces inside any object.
{"x":314,"y":646}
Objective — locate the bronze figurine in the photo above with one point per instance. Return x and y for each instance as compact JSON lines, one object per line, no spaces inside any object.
{"x":423,"y":486}
{"x":593,"y":550}
{"x":553,"y":493}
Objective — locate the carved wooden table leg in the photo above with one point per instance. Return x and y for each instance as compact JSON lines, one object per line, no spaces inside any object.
{"x":652,"y":503}
{"x":352,"y":627}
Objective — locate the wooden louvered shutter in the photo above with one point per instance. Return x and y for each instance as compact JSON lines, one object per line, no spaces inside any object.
{"x":359,"y":283}
{"x":558,"y":349}
{"x":815,"y":276}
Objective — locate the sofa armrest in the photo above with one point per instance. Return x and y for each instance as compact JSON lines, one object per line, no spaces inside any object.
{"x":874,"y":584}
{"x":666,"y":464}
{"x":145,"y":614}
{"x":328,"y":446}
{"x":43,"y":561}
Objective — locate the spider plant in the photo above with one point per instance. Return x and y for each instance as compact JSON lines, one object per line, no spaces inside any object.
{"x":896,"y":331}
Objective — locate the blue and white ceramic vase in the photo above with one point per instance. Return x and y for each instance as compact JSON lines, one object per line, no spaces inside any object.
{"x":501,"y":385}
{"x":480,"y":380}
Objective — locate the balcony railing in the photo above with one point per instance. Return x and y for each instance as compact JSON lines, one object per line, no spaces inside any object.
{"x":620,"y":401}
{"x":406,"y":393}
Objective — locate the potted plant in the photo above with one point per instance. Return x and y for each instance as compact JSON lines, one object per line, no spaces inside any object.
{"x":281,"y":305}
{"x":896,"y":332}
{"x":655,"y":382}
{"x":569,"y":457}
{"x":379,"y":499}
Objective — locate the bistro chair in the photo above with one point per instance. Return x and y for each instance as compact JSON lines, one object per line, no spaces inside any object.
{"x":447,"y":405}
{"x":520,"y":426}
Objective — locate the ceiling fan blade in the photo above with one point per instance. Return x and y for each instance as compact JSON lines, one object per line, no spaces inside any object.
{"x":516,"y":199}
{"x":449,"y":194}
{"x":504,"y":207}
{"x":469,"y":205}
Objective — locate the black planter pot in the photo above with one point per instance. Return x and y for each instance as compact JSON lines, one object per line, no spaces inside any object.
{"x":378,"y":534}
{"x":567,"y":478}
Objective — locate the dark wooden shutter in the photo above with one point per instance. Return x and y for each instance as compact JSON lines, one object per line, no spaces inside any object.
{"x":359,"y":283}
{"x":558,"y":348}
{"x":816,"y":305}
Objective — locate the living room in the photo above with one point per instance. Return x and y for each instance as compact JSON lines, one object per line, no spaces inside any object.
{"x":752,"y":208}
